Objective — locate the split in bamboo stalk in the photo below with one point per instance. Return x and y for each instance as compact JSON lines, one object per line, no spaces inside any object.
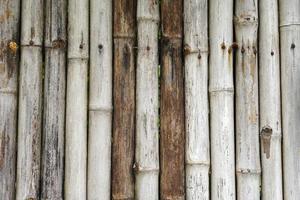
{"x":30,"y":101}
{"x":172,"y":143}
{"x":269,"y":95}
{"x":247,"y":128}
{"x":196,"y":97}
{"x":76,"y":108}
{"x":147,"y":144}
{"x":9,"y":65}
{"x":100,"y":101}
{"x":290,"y":80}
{"x":124,"y":99}
{"x":221,"y":100}
{"x":54,"y":100}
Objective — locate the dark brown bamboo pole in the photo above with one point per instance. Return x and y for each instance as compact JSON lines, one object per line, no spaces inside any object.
{"x":9,"y":60}
{"x":172,"y":103}
{"x":54,"y":100}
{"x":124,"y":99}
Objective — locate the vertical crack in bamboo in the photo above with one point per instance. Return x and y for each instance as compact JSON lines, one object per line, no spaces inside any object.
{"x":172,"y":130}
{"x":290,"y":80}
{"x":247,"y":117}
{"x":147,"y":130}
{"x":221,"y":100}
{"x":100,"y":100}
{"x":9,"y":65}
{"x":30,"y":101}
{"x":54,"y":100}
{"x":76,"y":107}
{"x":269,"y":95}
{"x":124,"y":32}
{"x":196,"y":97}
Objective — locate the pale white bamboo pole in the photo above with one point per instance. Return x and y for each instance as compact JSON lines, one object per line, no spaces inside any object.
{"x":248,"y":169}
{"x":9,"y":70}
{"x":221,"y":100}
{"x":100,"y":100}
{"x":147,"y":119}
{"x":30,"y":101}
{"x":196,"y":99}
{"x":269,"y":95}
{"x":54,"y":100}
{"x":76,"y":108}
{"x":290,"y":79}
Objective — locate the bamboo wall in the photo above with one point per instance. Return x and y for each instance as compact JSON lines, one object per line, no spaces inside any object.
{"x":149,"y":99}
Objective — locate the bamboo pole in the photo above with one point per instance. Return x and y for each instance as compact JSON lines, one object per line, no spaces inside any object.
{"x":172,"y":180}
{"x":76,"y":107}
{"x":54,"y":100}
{"x":248,"y":169}
{"x":147,"y":130}
{"x":100,"y":100}
{"x":221,"y":100}
{"x":9,"y":61}
{"x":269,"y":92}
{"x":30,"y":101}
{"x":196,"y":97}
{"x":124,"y":99}
{"x":290,"y":80}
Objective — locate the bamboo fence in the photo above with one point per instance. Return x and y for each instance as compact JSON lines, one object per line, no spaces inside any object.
{"x":149,"y":100}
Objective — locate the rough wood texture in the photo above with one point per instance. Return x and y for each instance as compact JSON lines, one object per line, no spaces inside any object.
{"x":54,"y":101}
{"x":221,"y":100}
{"x":172,"y":137}
{"x":269,"y":95}
{"x":196,"y":97}
{"x":248,"y":169}
{"x":147,"y":120}
{"x":124,"y":99}
{"x":100,"y":100}
{"x":30,"y":101}
{"x":9,"y":61}
{"x":290,"y":80}
{"x":76,"y":108}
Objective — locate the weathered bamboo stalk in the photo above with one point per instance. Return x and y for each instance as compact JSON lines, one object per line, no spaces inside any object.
{"x":172,"y":180}
{"x":124,"y":99}
{"x":221,"y":100}
{"x":269,"y":92}
{"x":290,"y":80}
{"x":54,"y":100}
{"x":100,"y":101}
{"x":30,"y":101}
{"x":9,"y":61}
{"x":147,"y":130}
{"x":76,"y":108}
{"x":196,"y":97}
{"x":248,"y":169}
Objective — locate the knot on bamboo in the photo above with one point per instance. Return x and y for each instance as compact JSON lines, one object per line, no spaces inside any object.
{"x":13,"y":46}
{"x":266,"y":134}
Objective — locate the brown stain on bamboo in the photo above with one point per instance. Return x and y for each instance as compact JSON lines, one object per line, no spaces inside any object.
{"x":6,"y":15}
{"x":172,"y":137}
{"x":123,"y":100}
{"x":266,"y":134}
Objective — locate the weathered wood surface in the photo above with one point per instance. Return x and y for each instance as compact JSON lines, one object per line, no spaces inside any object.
{"x":248,"y":169}
{"x":196,"y":99}
{"x":30,"y":101}
{"x":52,"y":171}
{"x":147,"y":118}
{"x":172,"y":130}
{"x":76,"y":103}
{"x":100,"y":100}
{"x":9,"y":70}
{"x":270,"y":103}
{"x":221,"y":100}
{"x":290,"y":87}
{"x":124,"y":33}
